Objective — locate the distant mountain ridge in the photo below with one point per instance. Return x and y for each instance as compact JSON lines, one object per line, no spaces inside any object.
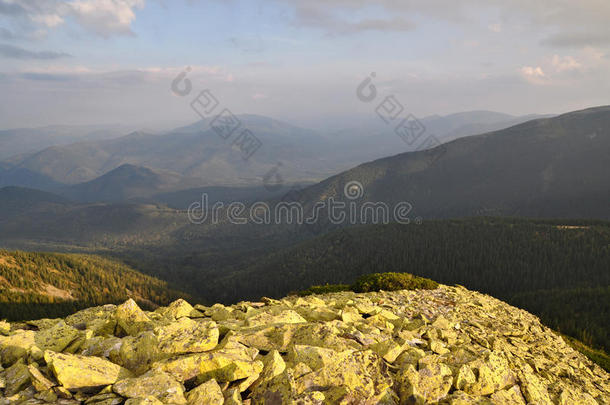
{"x":551,"y":167}
{"x":203,"y":158}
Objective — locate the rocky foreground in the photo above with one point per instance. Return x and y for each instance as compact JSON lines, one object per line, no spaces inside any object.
{"x":448,"y":346}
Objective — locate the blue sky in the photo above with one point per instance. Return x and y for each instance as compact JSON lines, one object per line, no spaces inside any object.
{"x":113,"y":61}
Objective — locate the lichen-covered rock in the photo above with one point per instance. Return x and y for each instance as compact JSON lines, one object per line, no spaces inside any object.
{"x":149,"y":400}
{"x":16,"y":378}
{"x":16,"y":346}
{"x":138,"y":353}
{"x":40,"y":382}
{"x":208,"y":393}
{"x":222,"y":365}
{"x":154,"y":383}
{"x":56,"y":338}
{"x":100,"y":320}
{"x":131,"y":318}
{"x":448,"y":346}
{"x":81,"y":372}
{"x":428,"y":384}
{"x":187,"y":336}
{"x":178,"y":309}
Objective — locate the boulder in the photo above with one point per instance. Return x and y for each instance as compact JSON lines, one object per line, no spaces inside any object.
{"x":100,"y":320}
{"x":430,"y":384}
{"x":76,"y":372}
{"x":131,"y":318}
{"x":16,"y":346}
{"x":187,"y":336}
{"x":179,"y":309}
{"x":222,"y":365}
{"x":152,"y":384}
{"x":208,"y":393}
{"x":56,"y":338}
{"x":16,"y":378}
{"x":40,"y":382}
{"x":138,"y":353}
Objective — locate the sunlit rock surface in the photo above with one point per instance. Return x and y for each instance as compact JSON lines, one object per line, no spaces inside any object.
{"x":443,"y":346}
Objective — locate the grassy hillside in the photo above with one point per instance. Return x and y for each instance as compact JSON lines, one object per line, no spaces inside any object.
{"x":34,"y":285}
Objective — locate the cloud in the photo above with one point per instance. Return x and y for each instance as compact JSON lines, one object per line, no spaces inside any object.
{"x":578,"y":39}
{"x":557,"y":23}
{"x":334,"y":24}
{"x":533,"y":75}
{"x":10,"y":51}
{"x":565,"y":64}
{"x":497,"y":27}
{"x":102,"y":17}
{"x":106,"y":17}
{"x":49,"y":77}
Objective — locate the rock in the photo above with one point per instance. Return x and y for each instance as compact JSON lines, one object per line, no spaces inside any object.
{"x":83,"y":373}
{"x":143,"y":401}
{"x":46,"y":396}
{"x":16,"y":346}
{"x":494,"y":374}
{"x":273,"y":365}
{"x":389,"y":350}
{"x":464,"y":378}
{"x":232,"y":397}
{"x":100,"y":346}
{"x":533,"y":389}
{"x":131,"y":318}
{"x":178,"y":309}
{"x":39,"y":381}
{"x":100,"y":320}
{"x":357,"y":375}
{"x":187,"y":336}
{"x":104,"y":399}
{"x":137,"y":354}
{"x":17,"y":378}
{"x":208,"y":393}
{"x":56,"y":338}
{"x":222,"y":365}
{"x":154,"y":383}
{"x":445,"y":346}
{"x":280,"y":316}
{"x":430,"y":384}
{"x":512,"y":396}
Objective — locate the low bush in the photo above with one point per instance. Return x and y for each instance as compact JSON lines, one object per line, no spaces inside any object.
{"x":392,"y":282}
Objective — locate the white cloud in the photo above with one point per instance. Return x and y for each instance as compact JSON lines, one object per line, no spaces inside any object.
{"x":103,"y":17}
{"x":533,"y":75}
{"x":565,"y":64}
{"x":106,"y":17}
{"x":497,"y":27}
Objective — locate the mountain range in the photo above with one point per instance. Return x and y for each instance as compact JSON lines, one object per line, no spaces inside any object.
{"x":549,"y":167}
{"x":196,"y":156}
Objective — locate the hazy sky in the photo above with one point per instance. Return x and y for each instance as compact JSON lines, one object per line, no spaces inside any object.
{"x":113,"y":61}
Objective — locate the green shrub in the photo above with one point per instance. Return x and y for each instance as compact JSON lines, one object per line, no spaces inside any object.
{"x":324,"y":289}
{"x":392,"y":282}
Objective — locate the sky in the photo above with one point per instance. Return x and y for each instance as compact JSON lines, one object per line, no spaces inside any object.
{"x":114,"y":61}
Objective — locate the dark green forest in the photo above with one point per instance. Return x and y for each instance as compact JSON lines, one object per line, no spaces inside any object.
{"x":559,"y":270}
